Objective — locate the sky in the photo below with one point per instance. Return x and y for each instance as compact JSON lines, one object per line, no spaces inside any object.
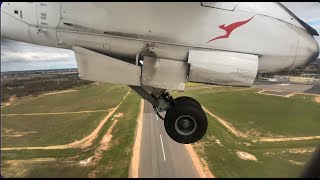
{"x":19,"y":56}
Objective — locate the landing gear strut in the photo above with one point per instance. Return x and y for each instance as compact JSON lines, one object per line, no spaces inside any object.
{"x":185,"y":121}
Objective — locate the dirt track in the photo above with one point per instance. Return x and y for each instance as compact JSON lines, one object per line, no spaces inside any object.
{"x":83,"y":143}
{"x":59,"y":92}
{"x":39,"y":114}
{"x":288,"y":139}
{"x":317,"y":97}
{"x":133,"y":172}
{"x":236,"y":132}
{"x":227,"y":125}
{"x":104,"y":145}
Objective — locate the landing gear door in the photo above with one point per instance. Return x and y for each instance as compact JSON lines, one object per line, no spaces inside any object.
{"x":48,"y":17}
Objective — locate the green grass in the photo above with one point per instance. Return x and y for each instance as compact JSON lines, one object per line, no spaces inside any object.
{"x":116,"y":160}
{"x":114,"y":163}
{"x":63,"y":128}
{"x":39,"y":153}
{"x":269,"y":115}
{"x":51,"y":169}
{"x":223,"y":161}
{"x":88,"y":97}
{"x":50,"y":129}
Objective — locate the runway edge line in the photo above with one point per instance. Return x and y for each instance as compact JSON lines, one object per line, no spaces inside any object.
{"x":204,"y":172}
{"x":134,"y":165}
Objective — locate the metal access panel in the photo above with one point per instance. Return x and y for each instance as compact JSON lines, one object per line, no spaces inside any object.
{"x":93,"y":66}
{"x":222,"y":67}
{"x":164,"y":73}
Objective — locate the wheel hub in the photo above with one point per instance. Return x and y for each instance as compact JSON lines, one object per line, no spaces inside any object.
{"x":185,"y":125}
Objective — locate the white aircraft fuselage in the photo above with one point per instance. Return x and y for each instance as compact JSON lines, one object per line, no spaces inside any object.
{"x":174,"y":28}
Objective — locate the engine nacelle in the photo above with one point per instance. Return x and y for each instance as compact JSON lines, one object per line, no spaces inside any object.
{"x":222,"y":68}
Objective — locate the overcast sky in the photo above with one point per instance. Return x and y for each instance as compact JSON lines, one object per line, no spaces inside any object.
{"x":18,"y":56}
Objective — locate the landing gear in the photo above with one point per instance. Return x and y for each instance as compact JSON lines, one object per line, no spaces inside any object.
{"x":188,"y":100}
{"x":185,"y":121}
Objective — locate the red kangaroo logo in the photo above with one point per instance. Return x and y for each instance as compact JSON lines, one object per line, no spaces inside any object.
{"x":230,"y":28}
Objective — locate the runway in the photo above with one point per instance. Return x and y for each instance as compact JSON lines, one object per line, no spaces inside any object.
{"x":287,"y":87}
{"x":160,"y":156}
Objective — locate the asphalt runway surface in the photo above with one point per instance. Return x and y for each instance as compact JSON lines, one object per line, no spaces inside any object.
{"x":160,"y":156}
{"x":288,"y":87}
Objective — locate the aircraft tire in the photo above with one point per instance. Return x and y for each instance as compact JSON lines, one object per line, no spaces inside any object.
{"x":186,"y":99}
{"x":186,"y":122}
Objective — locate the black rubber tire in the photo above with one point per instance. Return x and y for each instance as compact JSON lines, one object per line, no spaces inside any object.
{"x":191,"y":110}
{"x":186,"y":100}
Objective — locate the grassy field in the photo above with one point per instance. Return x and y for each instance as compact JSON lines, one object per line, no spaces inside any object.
{"x":262,"y":115}
{"x":114,"y":161}
{"x":257,"y":116}
{"x":247,"y":111}
{"x":271,"y":161}
{"x":86,"y":98}
{"x":44,"y":130}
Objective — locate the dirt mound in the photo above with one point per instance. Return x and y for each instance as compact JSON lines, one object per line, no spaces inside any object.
{"x":296,"y":162}
{"x":119,"y":115}
{"x":215,"y":140}
{"x":317,"y":99}
{"x":12,"y":98}
{"x":246,"y":156}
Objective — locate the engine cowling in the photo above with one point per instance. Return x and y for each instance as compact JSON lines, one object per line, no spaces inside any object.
{"x":222,"y":67}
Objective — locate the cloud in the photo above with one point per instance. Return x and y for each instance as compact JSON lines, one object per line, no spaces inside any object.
{"x":304,"y":10}
{"x":17,"y":56}
{"x":317,"y":27}
{"x":312,"y":20}
{"x":308,"y":12}
{"x":34,"y":56}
